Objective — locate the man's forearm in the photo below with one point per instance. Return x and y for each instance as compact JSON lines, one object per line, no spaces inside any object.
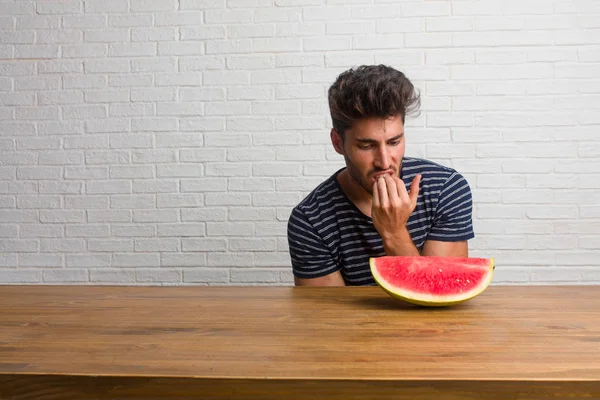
{"x":400,"y":244}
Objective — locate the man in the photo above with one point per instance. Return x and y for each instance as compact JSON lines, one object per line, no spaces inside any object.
{"x":381,"y":203}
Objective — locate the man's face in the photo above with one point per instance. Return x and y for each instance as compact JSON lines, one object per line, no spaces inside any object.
{"x":372,"y":147}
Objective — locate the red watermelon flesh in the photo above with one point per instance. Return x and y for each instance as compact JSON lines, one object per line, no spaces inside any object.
{"x":432,"y":280}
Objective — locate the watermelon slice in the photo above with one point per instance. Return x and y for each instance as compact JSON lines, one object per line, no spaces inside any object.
{"x":432,"y":281}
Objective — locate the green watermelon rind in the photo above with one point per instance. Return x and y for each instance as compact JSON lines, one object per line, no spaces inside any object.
{"x":435,"y":301}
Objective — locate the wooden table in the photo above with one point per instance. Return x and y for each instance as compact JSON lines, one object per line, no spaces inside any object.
{"x":90,"y":342}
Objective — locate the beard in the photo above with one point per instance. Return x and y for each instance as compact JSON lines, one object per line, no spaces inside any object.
{"x":363,"y":180}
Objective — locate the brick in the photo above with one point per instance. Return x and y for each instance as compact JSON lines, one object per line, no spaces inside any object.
{"x":180,"y":171}
{"x":65,"y":275}
{"x":19,"y":245}
{"x":448,"y":24}
{"x":179,"y":18}
{"x":182,"y":230}
{"x":204,"y":214}
{"x":8,"y":261}
{"x":130,"y":21}
{"x":227,"y":139}
{"x":272,"y":199}
{"x":180,"y":48}
{"x":162,"y":244}
{"x":155,"y":186}
{"x":134,"y":230}
{"x":155,"y":215}
{"x":296,"y":29}
{"x":18,"y":188}
{"x":251,"y":214}
{"x":508,"y":38}
{"x":16,"y":99}
{"x":37,"y":51}
{"x":109,"y":216}
{"x":88,"y":230}
{"x":62,"y":245}
{"x":113,"y":276}
{"x":40,"y":260}
{"x":183,"y":260}
{"x":37,"y":202}
{"x":228,"y":169}
{"x":383,"y":41}
{"x":163,"y":276}
{"x":17,"y":37}
{"x":203,"y":185}
{"x":216,"y":259}
{"x":154,"y":64}
{"x":179,"y":140}
{"x":152,"y":5}
{"x":108,"y":187}
{"x":227,"y":16}
{"x":207,"y":275}
{"x":86,"y":202}
{"x":87,"y":142}
{"x":579,"y":257}
{"x":228,"y":199}
{"x":131,"y":110}
{"x":155,"y":156}
{"x":552,"y":181}
{"x":153,"y":124}
{"x":251,"y":154}
{"x":277,"y":169}
{"x":8,"y":202}
{"x":12,"y":68}
{"x":132,"y":141}
{"x":153,"y":34}
{"x":202,"y":244}
{"x":137,"y":201}
{"x":108,"y":245}
{"x":201,"y":4}
{"x":327,"y":43}
{"x":20,"y":276}
{"x":61,"y":187}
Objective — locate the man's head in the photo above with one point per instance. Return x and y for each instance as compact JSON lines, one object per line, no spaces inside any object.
{"x":368,"y":106}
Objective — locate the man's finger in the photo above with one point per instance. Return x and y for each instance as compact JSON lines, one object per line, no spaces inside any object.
{"x":414,"y":189}
{"x":375,"y":194}
{"x":401,"y":190}
{"x":384,"y":200}
{"x":392,"y":189}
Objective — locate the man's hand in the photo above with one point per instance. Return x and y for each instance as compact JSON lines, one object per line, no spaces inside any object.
{"x":391,"y":208}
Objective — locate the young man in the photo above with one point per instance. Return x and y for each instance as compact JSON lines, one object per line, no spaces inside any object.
{"x":381,"y":203}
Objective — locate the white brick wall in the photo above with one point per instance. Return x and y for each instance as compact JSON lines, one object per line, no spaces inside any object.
{"x":166,"y":141}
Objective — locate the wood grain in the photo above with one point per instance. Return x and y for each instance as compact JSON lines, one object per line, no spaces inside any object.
{"x":525,"y":342}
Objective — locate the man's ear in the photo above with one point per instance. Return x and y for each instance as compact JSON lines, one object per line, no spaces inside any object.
{"x":336,"y":140}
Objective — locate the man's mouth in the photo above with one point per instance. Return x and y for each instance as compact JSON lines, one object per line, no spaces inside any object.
{"x":378,"y":174}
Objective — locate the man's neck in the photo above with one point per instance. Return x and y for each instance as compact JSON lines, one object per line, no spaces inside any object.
{"x":355,"y":192}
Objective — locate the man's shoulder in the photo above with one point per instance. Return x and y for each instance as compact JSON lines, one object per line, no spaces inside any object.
{"x":320,"y":195}
{"x":436,"y":178}
{"x":411,"y":166}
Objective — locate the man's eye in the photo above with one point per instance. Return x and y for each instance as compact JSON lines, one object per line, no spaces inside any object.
{"x":364,"y":146}
{"x":395,"y":143}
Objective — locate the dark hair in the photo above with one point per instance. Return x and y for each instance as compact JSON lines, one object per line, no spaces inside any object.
{"x":370,"y":91}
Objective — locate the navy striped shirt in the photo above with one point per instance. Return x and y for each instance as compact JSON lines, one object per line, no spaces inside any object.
{"x":328,"y":233}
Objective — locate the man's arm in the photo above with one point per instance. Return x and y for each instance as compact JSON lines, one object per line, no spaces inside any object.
{"x":392,"y":205}
{"x":333,"y":279}
{"x":445,"y":249}
{"x":312,"y":262}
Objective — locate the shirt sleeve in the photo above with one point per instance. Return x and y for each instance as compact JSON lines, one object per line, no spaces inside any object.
{"x":310,"y":256}
{"x":453,"y":221}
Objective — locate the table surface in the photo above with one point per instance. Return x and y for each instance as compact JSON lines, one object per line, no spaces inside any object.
{"x":507,"y":333}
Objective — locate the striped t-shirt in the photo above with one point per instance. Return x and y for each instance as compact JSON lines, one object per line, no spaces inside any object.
{"x":327,"y":232}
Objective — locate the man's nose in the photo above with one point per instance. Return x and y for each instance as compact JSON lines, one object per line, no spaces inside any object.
{"x":383,"y":158}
